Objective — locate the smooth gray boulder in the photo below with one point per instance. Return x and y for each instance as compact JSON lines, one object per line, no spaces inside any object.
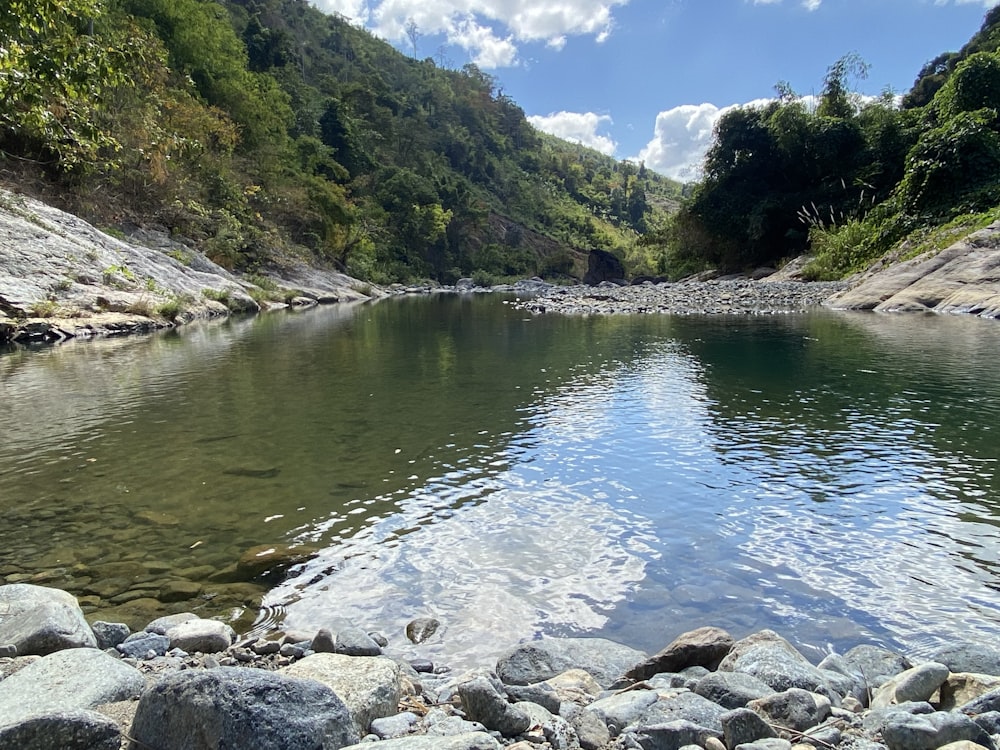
{"x":250,"y":709}
{"x":906,"y":731}
{"x":685,"y":706}
{"x":543,"y":659}
{"x":978,"y":658}
{"x":591,"y":731}
{"x":742,"y":726}
{"x":916,"y":684}
{"x":206,"y":636}
{"x":41,"y":620}
{"x":161,"y":625}
{"x":621,"y":710}
{"x":141,"y":645}
{"x":674,"y":735}
{"x":370,"y":686}
{"x":77,"y":678}
{"x":109,"y":634}
{"x":794,"y":708}
{"x":466,"y":741}
{"x":876,"y":664}
{"x":356,"y":642}
{"x":65,"y":730}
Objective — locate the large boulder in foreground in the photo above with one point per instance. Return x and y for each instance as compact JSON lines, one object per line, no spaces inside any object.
{"x":246,"y":708}
{"x":543,"y":659}
{"x":703,"y":647}
{"x":39,"y":620}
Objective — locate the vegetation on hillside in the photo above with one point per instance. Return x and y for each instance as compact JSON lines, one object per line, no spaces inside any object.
{"x":261,"y":129}
{"x":847,"y":178}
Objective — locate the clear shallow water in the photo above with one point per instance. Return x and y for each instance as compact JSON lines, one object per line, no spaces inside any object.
{"x":833,"y":477}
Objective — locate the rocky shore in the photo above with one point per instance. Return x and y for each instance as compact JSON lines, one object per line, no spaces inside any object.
{"x":188,"y":683}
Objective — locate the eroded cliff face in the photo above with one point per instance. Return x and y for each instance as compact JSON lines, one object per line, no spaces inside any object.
{"x":964,"y":278}
{"x":61,"y":277}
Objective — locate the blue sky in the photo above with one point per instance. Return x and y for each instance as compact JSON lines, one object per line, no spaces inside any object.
{"x":646,"y":79}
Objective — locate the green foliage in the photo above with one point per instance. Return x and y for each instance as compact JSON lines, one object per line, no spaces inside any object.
{"x":974,"y":85}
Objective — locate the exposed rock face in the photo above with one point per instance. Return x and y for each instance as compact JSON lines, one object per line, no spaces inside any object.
{"x":964,"y":278}
{"x":603,"y":266}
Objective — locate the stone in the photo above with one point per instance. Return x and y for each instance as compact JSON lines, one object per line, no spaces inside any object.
{"x":989,"y":721}
{"x":420,"y":629}
{"x":356,"y":642}
{"x":397,"y":725}
{"x":963,"y":687}
{"x":875,"y":664}
{"x":775,"y":662}
{"x":978,"y":658}
{"x":235,"y":707}
{"x":930,"y":731}
{"x":915,"y":684}
{"x":603,"y":266}
{"x":591,"y":732}
{"x":482,"y":701}
{"x":793,"y":709}
{"x":178,"y":591}
{"x":323,"y":642}
{"x":41,"y":620}
{"x":74,"y":679}
{"x":704,"y":647}
{"x":557,"y":732}
{"x":269,"y":563}
{"x":742,"y":726}
{"x":465,"y":741}
{"x":687,"y":706}
{"x":370,"y":686}
{"x":732,"y":689}
{"x":65,"y":730}
{"x":963,"y":745}
{"x":140,"y":645}
{"x":206,"y":636}
{"x":771,"y":743}
{"x":986,"y":702}
{"x":673,"y":735}
{"x":109,"y":634}
{"x":543,"y":659}
{"x":541,"y":694}
{"x":621,"y":710}
{"x":575,"y":685}
{"x":451,"y":726}
{"x":161,"y":625}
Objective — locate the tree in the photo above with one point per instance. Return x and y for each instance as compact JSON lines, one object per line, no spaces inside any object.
{"x":413,"y":34}
{"x":835,"y":100}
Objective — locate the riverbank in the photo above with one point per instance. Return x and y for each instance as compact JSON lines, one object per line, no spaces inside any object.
{"x":189,"y":683}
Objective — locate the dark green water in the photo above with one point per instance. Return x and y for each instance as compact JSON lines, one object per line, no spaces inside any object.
{"x":834,"y":477}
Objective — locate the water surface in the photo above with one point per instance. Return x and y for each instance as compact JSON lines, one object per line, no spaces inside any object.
{"x":831,"y":476}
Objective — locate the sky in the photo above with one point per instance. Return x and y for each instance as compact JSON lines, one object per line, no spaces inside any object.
{"x":647,"y":79}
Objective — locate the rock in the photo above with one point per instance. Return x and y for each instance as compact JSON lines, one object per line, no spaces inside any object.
{"x":466,"y":741}
{"x":65,"y":730}
{"x":978,"y":658}
{"x":541,"y":694}
{"x":930,"y":731}
{"x":270,"y":562}
{"x":356,"y":642}
{"x":621,"y":710}
{"x":370,"y":686}
{"x":591,"y":731}
{"x":543,"y":659}
{"x":161,"y":625}
{"x":603,"y":266}
{"x":482,"y":701}
{"x":140,"y":645}
{"x":323,"y":642}
{"x":772,"y":743}
{"x":673,"y":735}
{"x":68,"y":680}
{"x":421,"y":628}
{"x":875,"y":664}
{"x":916,"y":684}
{"x":687,"y":706}
{"x":989,"y":721}
{"x":743,"y":726}
{"x":206,"y":636}
{"x":732,"y":689}
{"x":963,"y":745}
{"x":397,"y":725}
{"x":40,"y":620}
{"x":109,"y":634}
{"x":962,"y":687}
{"x":250,"y":709}
{"x":794,"y":708}
{"x":704,"y":647}
{"x":557,"y":732}
{"x":959,"y":279}
{"x":775,"y":662}
{"x":986,"y":702}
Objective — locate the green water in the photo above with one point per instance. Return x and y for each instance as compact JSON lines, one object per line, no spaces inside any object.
{"x":830,"y":476}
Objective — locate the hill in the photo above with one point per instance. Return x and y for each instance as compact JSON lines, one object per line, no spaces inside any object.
{"x":263,"y":131}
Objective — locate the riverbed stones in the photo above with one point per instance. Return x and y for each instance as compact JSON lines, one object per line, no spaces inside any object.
{"x":703,"y":647}
{"x":144,"y":645}
{"x":732,"y":689}
{"x":109,"y":634}
{"x":66,"y":730}
{"x":370,"y":687}
{"x":354,"y":641}
{"x":246,"y":708}
{"x":742,"y":725}
{"x":41,"y":620}
{"x":420,"y":629}
{"x":916,"y":684}
{"x":905,"y":731}
{"x":978,"y":658}
{"x":793,"y":708}
{"x":465,"y":741}
{"x":484,"y":701}
{"x":543,"y":659}
{"x":963,"y":687}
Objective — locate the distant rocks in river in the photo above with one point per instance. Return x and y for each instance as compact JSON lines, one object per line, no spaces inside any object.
{"x":189,"y":683}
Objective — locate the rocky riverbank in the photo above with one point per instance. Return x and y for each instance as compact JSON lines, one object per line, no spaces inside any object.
{"x":187,"y":683}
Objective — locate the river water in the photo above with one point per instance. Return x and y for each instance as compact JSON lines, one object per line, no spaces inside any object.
{"x":831,"y":476}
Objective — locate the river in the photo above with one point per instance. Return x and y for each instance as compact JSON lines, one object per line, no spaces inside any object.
{"x":831,"y":476}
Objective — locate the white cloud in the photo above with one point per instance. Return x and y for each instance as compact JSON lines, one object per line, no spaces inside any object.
{"x":809,"y":5}
{"x":577,"y":127}
{"x":681,"y":138}
{"x":489,"y":29}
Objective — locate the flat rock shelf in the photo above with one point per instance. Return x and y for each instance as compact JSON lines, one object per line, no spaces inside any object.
{"x":192,"y":683}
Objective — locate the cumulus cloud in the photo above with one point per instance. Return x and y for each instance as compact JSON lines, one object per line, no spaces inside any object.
{"x":489,"y":29}
{"x":807,"y":4}
{"x":681,"y":138}
{"x":577,"y":127}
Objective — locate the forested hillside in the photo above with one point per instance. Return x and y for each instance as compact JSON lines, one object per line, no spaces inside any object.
{"x":259,"y":129}
{"x":845,"y":177}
